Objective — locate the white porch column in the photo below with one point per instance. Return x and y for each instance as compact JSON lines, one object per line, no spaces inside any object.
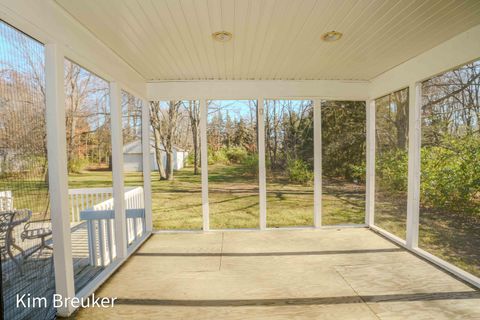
{"x":370,"y":174}
{"x":414,"y":144}
{"x":117,"y":170}
{"x":317,"y":162}
{"x":262,"y":177}
{"x":147,"y":181}
{"x":57,"y":175}
{"x":204,"y":163}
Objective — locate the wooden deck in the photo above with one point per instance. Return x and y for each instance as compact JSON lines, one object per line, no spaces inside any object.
{"x":38,"y":276}
{"x":350,"y":273}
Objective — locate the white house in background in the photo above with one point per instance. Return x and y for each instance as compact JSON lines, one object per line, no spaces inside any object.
{"x":132,"y":157}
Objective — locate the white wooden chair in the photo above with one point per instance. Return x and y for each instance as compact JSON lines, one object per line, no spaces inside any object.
{"x":6,"y":201}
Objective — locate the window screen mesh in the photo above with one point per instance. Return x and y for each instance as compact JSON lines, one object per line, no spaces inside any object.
{"x":176,"y":204}
{"x":343,"y":162}
{"x":25,"y":235}
{"x":450,"y":167}
{"x":391,"y":162}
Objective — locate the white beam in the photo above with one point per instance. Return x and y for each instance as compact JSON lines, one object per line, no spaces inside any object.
{"x":117,"y":170}
{"x":204,"y":163}
{"x":147,"y":181}
{"x":414,"y":144}
{"x":317,"y":151}
{"x":252,"y":89}
{"x":58,"y":176}
{"x":370,"y":174}
{"x":262,"y":177}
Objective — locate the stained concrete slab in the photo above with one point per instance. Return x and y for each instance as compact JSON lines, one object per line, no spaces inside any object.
{"x":349,"y":273}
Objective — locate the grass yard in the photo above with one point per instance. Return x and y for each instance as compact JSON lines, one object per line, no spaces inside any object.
{"x":234,"y":201}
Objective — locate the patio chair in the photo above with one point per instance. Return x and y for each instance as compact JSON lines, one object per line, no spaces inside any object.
{"x":31,"y":232}
{"x":7,"y":241}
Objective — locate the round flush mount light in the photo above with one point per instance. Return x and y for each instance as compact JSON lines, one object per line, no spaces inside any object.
{"x":222,"y":36}
{"x":331,"y":36}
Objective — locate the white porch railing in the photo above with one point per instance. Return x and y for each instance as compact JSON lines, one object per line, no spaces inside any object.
{"x":100,"y":221}
{"x":82,"y":199}
{"x":135,"y":209}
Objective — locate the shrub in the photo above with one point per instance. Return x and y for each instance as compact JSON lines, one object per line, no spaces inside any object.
{"x":218,"y":156}
{"x":299,"y":171}
{"x":189,"y":159}
{"x":77,"y":165}
{"x":251,"y":164}
{"x":236,"y":154}
{"x":392,"y":170}
{"x":451,"y":175}
{"x":358,"y":172}
{"x":227,"y":155}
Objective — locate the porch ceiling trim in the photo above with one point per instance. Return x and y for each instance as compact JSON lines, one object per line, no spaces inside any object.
{"x":253,"y":89}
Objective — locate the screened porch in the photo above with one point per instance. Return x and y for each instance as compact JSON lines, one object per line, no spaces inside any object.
{"x":240,"y":159}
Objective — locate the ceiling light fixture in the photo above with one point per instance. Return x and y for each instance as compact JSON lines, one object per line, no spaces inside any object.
{"x":331,"y":36}
{"x":222,"y":36}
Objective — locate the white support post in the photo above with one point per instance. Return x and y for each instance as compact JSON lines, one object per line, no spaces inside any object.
{"x":370,"y":174}
{"x":262,"y":180}
{"x":147,"y":182}
{"x":317,"y":164}
{"x":117,"y":170}
{"x":414,"y":144}
{"x":58,"y":176}
{"x":204,"y":163}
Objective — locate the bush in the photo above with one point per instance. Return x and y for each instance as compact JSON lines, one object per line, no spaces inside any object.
{"x":392,"y":170}
{"x":358,"y":172}
{"x":227,"y":155}
{"x":299,"y":171}
{"x":451,"y":175}
{"x":219,"y":156}
{"x":189,"y":159}
{"x":77,"y":165}
{"x":236,"y":154}
{"x":251,"y":164}
{"x":450,"y":171}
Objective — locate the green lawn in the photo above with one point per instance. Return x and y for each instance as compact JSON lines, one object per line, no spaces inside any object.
{"x":234,"y":201}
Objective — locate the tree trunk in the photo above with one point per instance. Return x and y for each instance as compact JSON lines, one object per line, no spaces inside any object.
{"x":169,"y":171}
{"x":195,"y":151}
{"x":193,"y":114}
{"x":158,"y":155}
{"x":401,"y":121}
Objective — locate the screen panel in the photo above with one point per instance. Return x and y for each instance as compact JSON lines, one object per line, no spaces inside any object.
{"x":89,"y":164}
{"x":27,"y":265}
{"x":450,"y":167}
{"x":289,"y":162}
{"x":343,"y":162}
{"x":133,"y":165}
{"x":391,"y":162}
{"x":232,"y":164}
{"x":175,"y":162}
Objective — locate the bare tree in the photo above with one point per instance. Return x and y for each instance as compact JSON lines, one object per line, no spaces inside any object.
{"x":168,"y":134}
{"x":193,"y":109}
{"x":155,"y":122}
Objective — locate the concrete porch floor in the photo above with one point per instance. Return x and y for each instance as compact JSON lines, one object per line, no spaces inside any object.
{"x":349,"y":273}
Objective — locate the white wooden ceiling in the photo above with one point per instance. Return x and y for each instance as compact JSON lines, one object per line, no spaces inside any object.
{"x":272,"y":39}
